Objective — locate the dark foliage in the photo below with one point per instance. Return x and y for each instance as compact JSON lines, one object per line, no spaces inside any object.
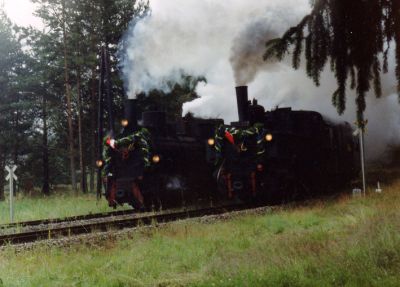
{"x":354,"y":35}
{"x":172,"y":101}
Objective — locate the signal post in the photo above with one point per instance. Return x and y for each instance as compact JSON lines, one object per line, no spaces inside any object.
{"x":11,"y":177}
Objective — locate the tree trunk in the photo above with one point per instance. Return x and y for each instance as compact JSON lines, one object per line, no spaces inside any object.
{"x":81,"y":151}
{"x":45,"y":151}
{"x":69,"y":103}
{"x":93,"y":133}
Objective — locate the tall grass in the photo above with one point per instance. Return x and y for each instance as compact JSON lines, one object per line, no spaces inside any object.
{"x":346,"y":242}
{"x":57,"y":205}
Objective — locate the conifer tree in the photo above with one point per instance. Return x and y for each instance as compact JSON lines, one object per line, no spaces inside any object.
{"x":75,"y":31}
{"x":12,"y":120}
{"x":354,"y":36}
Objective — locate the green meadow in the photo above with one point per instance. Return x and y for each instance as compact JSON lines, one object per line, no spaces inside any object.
{"x":341,"y":242}
{"x":58,"y":205}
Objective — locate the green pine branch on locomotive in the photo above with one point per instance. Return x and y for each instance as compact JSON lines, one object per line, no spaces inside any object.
{"x":137,"y":140}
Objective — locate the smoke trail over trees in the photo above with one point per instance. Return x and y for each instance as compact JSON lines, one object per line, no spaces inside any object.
{"x":197,"y":36}
{"x":224,"y":41}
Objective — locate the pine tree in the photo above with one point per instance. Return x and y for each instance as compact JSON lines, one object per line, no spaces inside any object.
{"x":354,"y":36}
{"x":68,"y":25}
{"x":13,"y":119}
{"x":173,"y":101}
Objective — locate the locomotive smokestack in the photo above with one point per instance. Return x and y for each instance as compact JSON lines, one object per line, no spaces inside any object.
{"x":130,"y":113}
{"x":242,"y":103}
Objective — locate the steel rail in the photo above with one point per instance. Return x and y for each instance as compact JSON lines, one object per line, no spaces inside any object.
{"x":117,"y":224}
{"x":65,"y":219}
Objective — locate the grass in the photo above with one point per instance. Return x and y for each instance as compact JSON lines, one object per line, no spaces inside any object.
{"x":57,"y":205}
{"x":346,"y":242}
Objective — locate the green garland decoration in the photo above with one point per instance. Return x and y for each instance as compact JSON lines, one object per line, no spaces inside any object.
{"x":138,"y":140}
{"x":240,"y":134}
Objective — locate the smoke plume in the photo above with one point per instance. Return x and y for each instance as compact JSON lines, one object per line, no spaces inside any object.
{"x":224,"y":41}
{"x":248,"y":46}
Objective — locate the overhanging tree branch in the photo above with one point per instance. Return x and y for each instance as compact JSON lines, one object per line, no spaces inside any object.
{"x":355,"y":35}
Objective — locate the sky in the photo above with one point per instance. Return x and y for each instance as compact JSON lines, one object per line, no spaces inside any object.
{"x":21,"y":12}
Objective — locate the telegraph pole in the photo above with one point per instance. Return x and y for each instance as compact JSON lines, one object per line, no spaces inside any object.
{"x":362,"y":158}
{"x":361,"y":130}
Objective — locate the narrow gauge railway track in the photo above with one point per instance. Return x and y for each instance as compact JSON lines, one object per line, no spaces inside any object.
{"x":66,"y":219}
{"x":117,"y":224}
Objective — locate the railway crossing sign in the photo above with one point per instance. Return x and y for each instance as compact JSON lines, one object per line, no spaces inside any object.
{"x":11,"y":173}
{"x":11,"y":177}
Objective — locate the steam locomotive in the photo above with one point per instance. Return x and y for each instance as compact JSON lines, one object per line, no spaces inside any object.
{"x":158,"y":163}
{"x":154,"y":164}
{"x":282,"y":154}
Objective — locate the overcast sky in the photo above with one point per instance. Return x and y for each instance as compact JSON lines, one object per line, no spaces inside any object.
{"x":21,"y":12}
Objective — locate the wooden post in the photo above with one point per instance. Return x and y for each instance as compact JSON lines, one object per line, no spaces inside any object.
{"x":360,"y":132}
{"x":362,"y":158}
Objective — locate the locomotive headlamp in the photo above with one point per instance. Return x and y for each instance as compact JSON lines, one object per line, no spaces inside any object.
{"x":211,"y":141}
{"x":156,"y":159}
{"x":99,"y":163}
{"x":124,"y":123}
{"x":268,"y":137}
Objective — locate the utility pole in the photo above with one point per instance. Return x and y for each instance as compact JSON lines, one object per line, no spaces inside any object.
{"x":360,"y":131}
{"x":362,"y":158}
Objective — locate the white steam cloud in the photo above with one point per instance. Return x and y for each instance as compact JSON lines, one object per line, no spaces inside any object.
{"x":197,"y":37}
{"x":224,"y":41}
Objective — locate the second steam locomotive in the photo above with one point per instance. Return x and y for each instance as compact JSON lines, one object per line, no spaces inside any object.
{"x":282,"y":154}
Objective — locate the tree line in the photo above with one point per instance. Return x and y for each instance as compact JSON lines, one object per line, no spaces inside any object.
{"x":49,"y":89}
